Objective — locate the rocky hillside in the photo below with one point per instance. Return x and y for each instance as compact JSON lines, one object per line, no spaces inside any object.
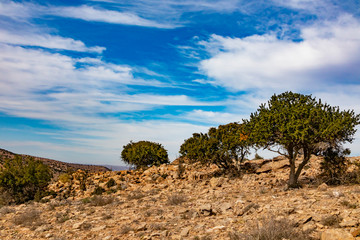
{"x":190,"y":202}
{"x":57,"y":167}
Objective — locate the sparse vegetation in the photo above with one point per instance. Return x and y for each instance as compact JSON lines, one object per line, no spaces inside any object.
{"x":110,"y":183}
{"x":28,"y":218}
{"x":137,"y":194}
{"x":334,"y":165}
{"x":270,"y":228}
{"x":144,"y":154}
{"x":65,"y":177}
{"x":101,"y":201}
{"x":176,"y":199}
{"x":331,"y":220}
{"x":98,"y":191}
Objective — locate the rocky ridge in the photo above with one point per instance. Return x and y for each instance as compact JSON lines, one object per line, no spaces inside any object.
{"x":57,"y":167}
{"x":186,"y":201}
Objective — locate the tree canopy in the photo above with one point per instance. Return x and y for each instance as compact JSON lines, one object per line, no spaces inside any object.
{"x":294,"y":124}
{"x":144,"y":154}
{"x":226,"y":146}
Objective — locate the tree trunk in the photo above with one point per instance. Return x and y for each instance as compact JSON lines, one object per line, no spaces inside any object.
{"x":293,"y":183}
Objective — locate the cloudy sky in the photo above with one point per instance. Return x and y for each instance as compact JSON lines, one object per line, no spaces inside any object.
{"x":79,"y":81}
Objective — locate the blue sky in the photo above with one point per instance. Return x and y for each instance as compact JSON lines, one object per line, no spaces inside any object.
{"x":80,"y":79}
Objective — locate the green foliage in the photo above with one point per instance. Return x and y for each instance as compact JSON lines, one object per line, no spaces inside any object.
{"x":292,"y":124}
{"x":98,"y":191}
{"x":65,"y":177}
{"x":195,"y":148}
{"x":22,"y":179}
{"x":225,"y":146}
{"x":334,"y":164}
{"x":144,"y":154}
{"x":110,"y":183}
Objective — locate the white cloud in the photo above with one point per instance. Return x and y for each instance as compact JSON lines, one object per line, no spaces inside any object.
{"x":328,"y":50}
{"x":77,"y":95}
{"x":89,"y":13}
{"x":46,"y":41}
{"x":25,"y":11}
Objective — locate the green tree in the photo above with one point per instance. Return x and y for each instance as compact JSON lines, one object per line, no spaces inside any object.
{"x":195,"y":148}
{"x":23,"y":178}
{"x":293,"y":124}
{"x":144,"y":154}
{"x":226,"y":146}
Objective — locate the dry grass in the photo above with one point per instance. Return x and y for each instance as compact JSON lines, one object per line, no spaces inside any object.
{"x":176,"y":199}
{"x":125,"y":229}
{"x":137,"y":194}
{"x":270,"y":228}
{"x":101,"y":201}
{"x":29,"y":218}
{"x":331,"y":221}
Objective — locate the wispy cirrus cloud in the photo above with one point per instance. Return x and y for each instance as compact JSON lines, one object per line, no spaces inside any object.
{"x":46,"y":41}
{"x":90,"y":13}
{"x":26,"y":10}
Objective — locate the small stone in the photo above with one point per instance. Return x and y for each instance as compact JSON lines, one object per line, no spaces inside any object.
{"x":225,"y":206}
{"x":348,"y":222}
{"x":336,"y":234}
{"x":141,"y":227}
{"x":99,"y":228}
{"x":323,"y":187}
{"x":185,"y":232}
{"x":356,"y":232}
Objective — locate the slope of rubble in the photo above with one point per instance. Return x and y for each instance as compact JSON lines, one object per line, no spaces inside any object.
{"x":186,"y":201}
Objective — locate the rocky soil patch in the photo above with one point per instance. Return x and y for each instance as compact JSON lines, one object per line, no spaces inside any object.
{"x":189,"y":202}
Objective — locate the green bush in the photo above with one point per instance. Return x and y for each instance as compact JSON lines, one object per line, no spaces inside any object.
{"x":226,"y":146}
{"x":98,"y":191}
{"x":144,"y":154}
{"x":110,"y":183}
{"x":22,"y":179}
{"x":334,"y":165}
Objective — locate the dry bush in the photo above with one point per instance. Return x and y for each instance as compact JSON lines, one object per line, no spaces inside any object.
{"x":176,"y":199}
{"x":347,"y":204}
{"x":29,"y":218}
{"x":136,"y":194}
{"x":101,"y":201}
{"x":6,"y":210}
{"x":331,"y":221}
{"x":270,"y":228}
{"x":62,"y":217}
{"x":157,"y":226}
{"x":125,"y":229}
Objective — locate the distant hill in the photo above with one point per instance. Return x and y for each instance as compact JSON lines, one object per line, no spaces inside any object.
{"x":117,"y":168}
{"x":57,"y":167}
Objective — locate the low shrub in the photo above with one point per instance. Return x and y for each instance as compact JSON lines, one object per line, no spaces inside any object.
{"x":137,"y":194}
{"x":176,"y":199}
{"x":65,"y":177}
{"x":29,"y":218}
{"x":98,"y":191}
{"x":22,"y":179}
{"x":270,"y":228}
{"x":110,"y":183}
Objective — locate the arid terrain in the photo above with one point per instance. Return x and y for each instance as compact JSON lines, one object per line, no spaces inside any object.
{"x":188,"y":201}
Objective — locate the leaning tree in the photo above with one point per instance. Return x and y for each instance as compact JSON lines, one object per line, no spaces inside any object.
{"x":293,"y":125}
